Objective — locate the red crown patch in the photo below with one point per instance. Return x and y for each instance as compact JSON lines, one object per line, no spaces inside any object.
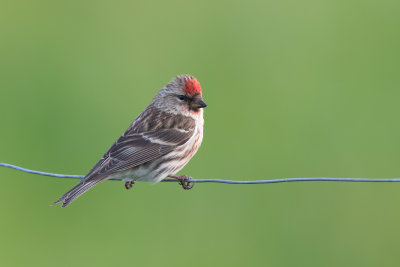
{"x":192,"y":86}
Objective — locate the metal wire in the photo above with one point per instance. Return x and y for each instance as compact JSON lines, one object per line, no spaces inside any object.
{"x":283,"y":180}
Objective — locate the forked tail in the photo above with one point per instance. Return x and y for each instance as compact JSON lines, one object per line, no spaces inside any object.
{"x":75,"y":192}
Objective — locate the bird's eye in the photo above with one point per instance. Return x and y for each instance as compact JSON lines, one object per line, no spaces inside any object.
{"x":181,"y":97}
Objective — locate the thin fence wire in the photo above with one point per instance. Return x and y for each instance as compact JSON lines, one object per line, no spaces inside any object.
{"x":283,"y":180}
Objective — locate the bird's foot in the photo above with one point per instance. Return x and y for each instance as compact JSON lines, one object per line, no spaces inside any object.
{"x":183,"y":181}
{"x":129,"y":184}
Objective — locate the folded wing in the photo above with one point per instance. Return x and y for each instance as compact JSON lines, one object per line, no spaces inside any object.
{"x":132,"y":150}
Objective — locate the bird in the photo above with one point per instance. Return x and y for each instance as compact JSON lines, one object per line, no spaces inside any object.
{"x":158,"y":143}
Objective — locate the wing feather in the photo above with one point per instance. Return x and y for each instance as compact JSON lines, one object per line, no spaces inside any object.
{"x":134,"y":149}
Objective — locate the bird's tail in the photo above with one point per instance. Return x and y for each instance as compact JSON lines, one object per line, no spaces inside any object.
{"x":76,"y":191}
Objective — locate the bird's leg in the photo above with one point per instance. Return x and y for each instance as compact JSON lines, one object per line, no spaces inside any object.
{"x":183,"y":181}
{"x":129,"y":184}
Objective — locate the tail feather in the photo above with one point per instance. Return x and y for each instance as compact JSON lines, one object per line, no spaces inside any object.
{"x":76,"y":191}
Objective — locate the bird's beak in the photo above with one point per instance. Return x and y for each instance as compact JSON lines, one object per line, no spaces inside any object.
{"x":198,"y":103}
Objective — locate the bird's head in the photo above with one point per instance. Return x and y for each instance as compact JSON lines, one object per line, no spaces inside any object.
{"x":182,"y":94}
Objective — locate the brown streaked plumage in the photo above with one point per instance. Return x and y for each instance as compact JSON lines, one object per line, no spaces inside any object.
{"x":159,"y":143}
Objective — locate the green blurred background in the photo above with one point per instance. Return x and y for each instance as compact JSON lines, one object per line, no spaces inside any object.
{"x":295,"y":89}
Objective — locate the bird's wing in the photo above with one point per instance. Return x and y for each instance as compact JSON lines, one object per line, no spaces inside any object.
{"x":134,"y":149}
